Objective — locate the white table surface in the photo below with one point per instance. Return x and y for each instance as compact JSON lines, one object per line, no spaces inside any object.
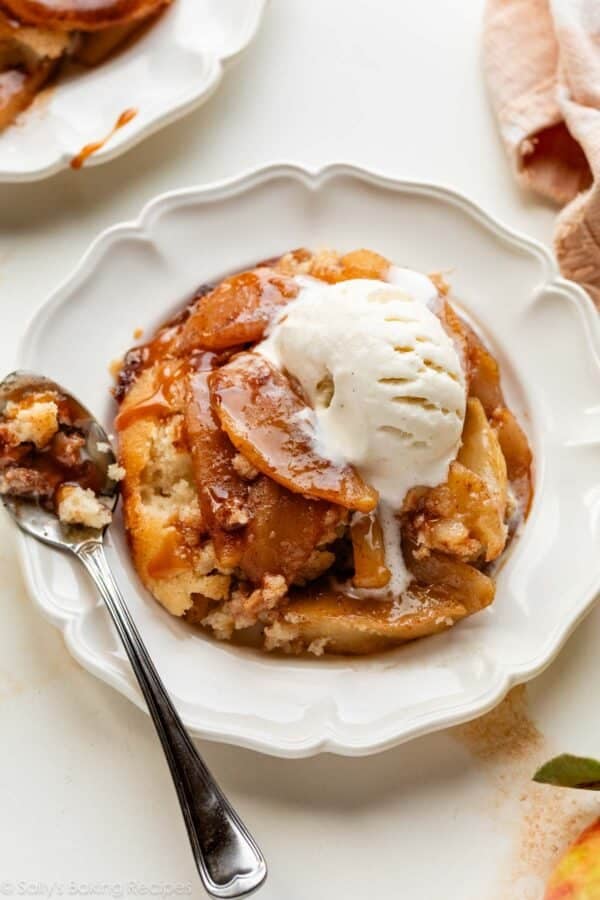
{"x":86,"y":803}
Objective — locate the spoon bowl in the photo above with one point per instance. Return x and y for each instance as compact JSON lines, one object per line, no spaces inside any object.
{"x":33,"y":518}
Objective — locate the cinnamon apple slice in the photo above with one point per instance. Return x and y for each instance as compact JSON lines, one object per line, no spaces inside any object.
{"x":222,"y":494}
{"x":272,"y":426}
{"x":356,"y":264}
{"x":481,"y":453}
{"x":444,"y":591}
{"x":465,"y":516}
{"x":237,"y":311}
{"x":483,"y":373}
{"x":368,"y":549}
{"x":484,"y":376}
{"x":260,"y":527}
{"x":284,"y":531}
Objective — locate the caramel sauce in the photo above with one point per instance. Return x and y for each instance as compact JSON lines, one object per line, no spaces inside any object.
{"x":221,"y":491}
{"x":217,"y":323}
{"x":162,"y":402}
{"x":156,"y":406}
{"x":170,"y":377}
{"x":85,"y":473}
{"x":237,"y":311}
{"x":171,"y":558}
{"x":162,"y":345}
{"x":370,"y":570}
{"x":268,"y":422}
{"x":84,"y":154}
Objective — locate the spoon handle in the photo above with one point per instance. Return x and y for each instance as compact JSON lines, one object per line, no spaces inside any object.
{"x":229,"y":862}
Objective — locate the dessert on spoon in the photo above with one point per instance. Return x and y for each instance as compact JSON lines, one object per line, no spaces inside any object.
{"x":59,"y":480}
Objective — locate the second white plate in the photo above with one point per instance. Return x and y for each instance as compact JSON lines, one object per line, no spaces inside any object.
{"x":170,"y":70}
{"x":546,"y":335}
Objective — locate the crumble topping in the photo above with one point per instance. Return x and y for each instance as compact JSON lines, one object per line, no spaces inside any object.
{"x":21,"y":482}
{"x":43,"y":456}
{"x":281,"y":636}
{"x":116,"y":472}
{"x":317,"y":647}
{"x":244,"y":467}
{"x":35,"y":422}
{"x":80,"y":506}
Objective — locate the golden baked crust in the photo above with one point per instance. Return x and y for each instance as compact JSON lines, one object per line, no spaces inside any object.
{"x":162,"y":510}
{"x":223,"y":534}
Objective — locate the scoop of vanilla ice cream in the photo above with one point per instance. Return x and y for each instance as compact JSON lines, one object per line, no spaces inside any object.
{"x":381,"y":374}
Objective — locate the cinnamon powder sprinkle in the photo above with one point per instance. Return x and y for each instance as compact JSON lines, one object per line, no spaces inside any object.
{"x":543,"y":820}
{"x":506,"y":734}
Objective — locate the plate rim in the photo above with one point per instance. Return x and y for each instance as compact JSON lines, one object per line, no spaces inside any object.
{"x":218,"y":66}
{"x":325,"y":740}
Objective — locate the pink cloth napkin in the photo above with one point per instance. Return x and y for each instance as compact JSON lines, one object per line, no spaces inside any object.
{"x":542,"y":60}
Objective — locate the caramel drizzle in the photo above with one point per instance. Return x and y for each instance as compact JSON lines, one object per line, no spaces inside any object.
{"x":84,"y":154}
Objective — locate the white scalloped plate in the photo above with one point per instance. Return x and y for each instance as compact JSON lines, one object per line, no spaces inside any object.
{"x":173,"y":68}
{"x":547,"y":337}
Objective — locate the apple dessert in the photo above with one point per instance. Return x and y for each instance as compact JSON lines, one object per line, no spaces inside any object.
{"x":37,"y":36}
{"x":318,"y":457}
{"x":47,"y":455}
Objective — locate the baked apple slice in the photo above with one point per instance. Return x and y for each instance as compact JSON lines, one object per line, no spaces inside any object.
{"x":81,"y":15}
{"x":368,"y":550}
{"x":273,"y":427}
{"x":444,"y":592}
{"x":457,"y":330}
{"x":332,"y":268}
{"x":480,"y":452}
{"x":284,"y":532}
{"x":465,"y":516}
{"x":237,"y":311}
{"x":222,"y":494}
{"x":258,"y":526}
{"x":483,"y":373}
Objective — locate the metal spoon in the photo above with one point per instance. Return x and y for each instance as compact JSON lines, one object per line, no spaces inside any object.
{"x":228,"y":859}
